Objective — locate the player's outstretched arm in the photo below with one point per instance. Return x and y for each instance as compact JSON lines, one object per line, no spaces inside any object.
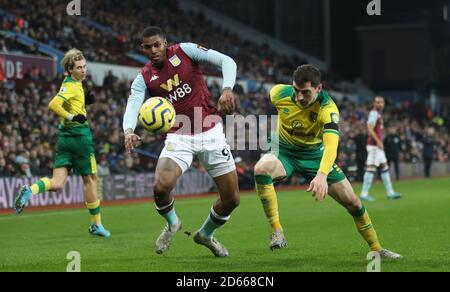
{"x":199,"y":54}
{"x":130,"y":117}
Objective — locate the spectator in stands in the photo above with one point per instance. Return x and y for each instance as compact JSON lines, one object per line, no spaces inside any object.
{"x":392,"y":148}
{"x":3,"y":48}
{"x":10,"y":170}
{"x":109,"y":79}
{"x":35,"y":163}
{"x":102,"y":167}
{"x":245,"y":175}
{"x":428,"y":145}
{"x":120,"y":167}
{"x":3,"y":171}
{"x":23,"y":164}
{"x":360,"y":140}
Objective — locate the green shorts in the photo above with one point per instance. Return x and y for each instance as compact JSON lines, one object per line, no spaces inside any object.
{"x":306,"y":162}
{"x":75,"y":150}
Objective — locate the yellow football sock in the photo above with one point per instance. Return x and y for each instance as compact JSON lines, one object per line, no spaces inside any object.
{"x":366,"y":229}
{"x":268,"y":197}
{"x":94,"y":210}
{"x":41,"y":186}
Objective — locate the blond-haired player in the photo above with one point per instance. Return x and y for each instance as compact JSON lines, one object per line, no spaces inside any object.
{"x":75,"y":148}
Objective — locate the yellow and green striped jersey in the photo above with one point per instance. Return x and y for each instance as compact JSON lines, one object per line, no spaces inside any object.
{"x":72,"y":93}
{"x":303,"y":127}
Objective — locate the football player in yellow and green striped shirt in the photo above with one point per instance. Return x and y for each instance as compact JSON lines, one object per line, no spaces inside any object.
{"x":75,"y":148}
{"x":307,"y":143}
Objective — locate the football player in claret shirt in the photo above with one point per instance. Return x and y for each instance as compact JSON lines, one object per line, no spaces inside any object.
{"x":376,"y":156}
{"x":308,"y":138}
{"x":75,"y":148}
{"x":173,"y":73}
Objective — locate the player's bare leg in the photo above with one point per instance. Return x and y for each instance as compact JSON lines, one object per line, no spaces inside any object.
{"x":93,"y":205}
{"x":229,"y":193}
{"x":343,"y":193}
{"x":56,"y":183}
{"x":220,"y":213}
{"x":166,"y":176}
{"x":270,"y":168}
{"x":90,"y":188}
{"x":58,"y":179}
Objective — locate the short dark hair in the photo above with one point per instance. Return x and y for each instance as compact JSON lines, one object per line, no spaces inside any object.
{"x":307,"y":73}
{"x":152,"y":31}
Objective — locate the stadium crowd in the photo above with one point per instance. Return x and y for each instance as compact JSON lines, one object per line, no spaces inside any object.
{"x":28,"y":130}
{"x":122,"y":33}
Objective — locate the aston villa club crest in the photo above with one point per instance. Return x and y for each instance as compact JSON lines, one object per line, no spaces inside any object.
{"x":175,"y":61}
{"x":313,"y":116}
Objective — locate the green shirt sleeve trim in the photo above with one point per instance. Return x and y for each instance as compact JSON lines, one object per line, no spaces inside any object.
{"x":59,"y":95}
{"x":331,"y":132}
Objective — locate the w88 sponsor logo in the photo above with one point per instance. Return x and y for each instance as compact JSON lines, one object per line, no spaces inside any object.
{"x":180,"y":92}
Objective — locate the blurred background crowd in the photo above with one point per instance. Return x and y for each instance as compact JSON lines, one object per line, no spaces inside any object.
{"x":28,"y":131}
{"x":414,"y":132}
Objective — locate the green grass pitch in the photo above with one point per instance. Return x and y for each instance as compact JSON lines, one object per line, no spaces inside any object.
{"x":321,"y":236}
